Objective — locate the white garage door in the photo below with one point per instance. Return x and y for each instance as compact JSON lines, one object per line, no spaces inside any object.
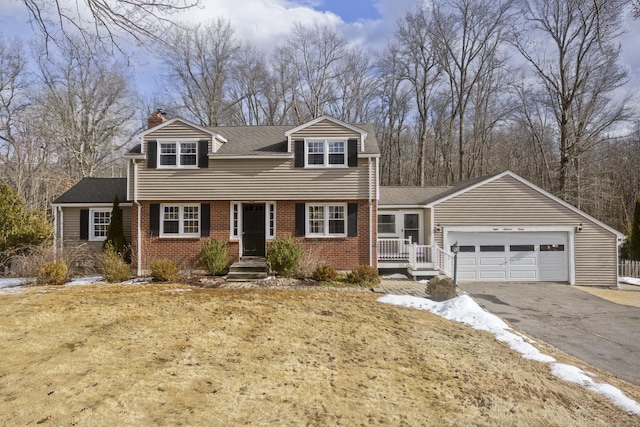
{"x":509,"y":256}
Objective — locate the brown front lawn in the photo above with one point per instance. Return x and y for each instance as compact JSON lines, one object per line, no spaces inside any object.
{"x":179,"y":355}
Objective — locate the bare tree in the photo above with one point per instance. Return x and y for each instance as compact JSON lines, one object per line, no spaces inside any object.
{"x":199,"y":62}
{"x":420,"y":67}
{"x":468,"y":35}
{"x":571,"y":48}
{"x":85,"y":108}
{"x":105,"y":21}
{"x":311,"y":59}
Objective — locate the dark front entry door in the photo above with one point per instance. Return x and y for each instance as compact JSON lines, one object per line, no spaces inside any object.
{"x":253,"y":230}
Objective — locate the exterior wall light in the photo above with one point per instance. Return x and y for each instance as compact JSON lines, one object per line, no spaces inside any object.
{"x":579,"y":227}
{"x":438,"y":228}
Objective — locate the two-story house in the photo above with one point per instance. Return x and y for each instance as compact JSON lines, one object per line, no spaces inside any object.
{"x":317,"y":182}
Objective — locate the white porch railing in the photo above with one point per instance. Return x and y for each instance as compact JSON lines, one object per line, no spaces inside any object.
{"x":628,"y":268}
{"x":393,"y":249}
{"x":417,"y":256}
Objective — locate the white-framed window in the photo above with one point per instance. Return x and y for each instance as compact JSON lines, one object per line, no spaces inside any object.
{"x":325,"y":153}
{"x":99,"y":220}
{"x":180,"y":220}
{"x":235,"y":220}
{"x":178,"y":154}
{"x":326,"y":220}
{"x":271,"y":220}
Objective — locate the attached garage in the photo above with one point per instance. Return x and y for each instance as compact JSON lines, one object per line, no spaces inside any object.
{"x":512,"y":256}
{"x":507,"y":229}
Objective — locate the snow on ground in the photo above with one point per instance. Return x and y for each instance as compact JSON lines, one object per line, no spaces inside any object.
{"x":396,"y":276}
{"x":630,"y":280}
{"x":14,"y":285}
{"x":88,"y":280}
{"x":465,"y":310}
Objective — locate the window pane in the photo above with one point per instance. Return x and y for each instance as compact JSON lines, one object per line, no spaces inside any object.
{"x":191,"y":223}
{"x":521,"y":248}
{"x":316,"y":219}
{"x":551,"y":248}
{"x":316,"y":153}
{"x":188,"y":154}
{"x":171,"y":212}
{"x":336,"y":153}
{"x":411,"y":220}
{"x":168,"y":154}
{"x":492,"y":248}
{"x":386,"y":224}
{"x":336,"y":220}
{"x":465,"y":248}
{"x":170,"y":227}
{"x":101,"y":222}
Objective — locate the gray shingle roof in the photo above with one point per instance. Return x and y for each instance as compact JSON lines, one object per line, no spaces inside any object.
{"x":425,"y":195}
{"x":95,"y":190}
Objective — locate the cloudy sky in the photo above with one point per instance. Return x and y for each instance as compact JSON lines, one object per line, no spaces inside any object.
{"x":263,"y":23}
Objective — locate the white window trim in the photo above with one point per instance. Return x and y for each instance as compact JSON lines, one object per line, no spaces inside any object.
{"x":270,"y":231}
{"x":326,"y":233}
{"x":178,"y":143}
{"x":92,"y":228}
{"x":326,"y":142}
{"x":180,"y":233}
{"x":399,"y":222}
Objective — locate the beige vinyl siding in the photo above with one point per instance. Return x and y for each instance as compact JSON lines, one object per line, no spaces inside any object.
{"x":426,"y":215}
{"x":254,"y":179}
{"x":71,"y":227}
{"x":507,"y":202}
{"x":177,"y":130}
{"x":325,"y":129}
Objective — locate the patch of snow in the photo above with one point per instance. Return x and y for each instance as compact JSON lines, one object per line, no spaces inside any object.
{"x":138,"y":280}
{"x":177,"y":290}
{"x":630,"y":280}
{"x":396,"y":276}
{"x":465,"y":310}
{"x":576,"y":375}
{"x":88,"y":280}
{"x":16,"y":281}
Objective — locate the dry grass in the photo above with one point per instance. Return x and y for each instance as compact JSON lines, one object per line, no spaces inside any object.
{"x":176,"y":355}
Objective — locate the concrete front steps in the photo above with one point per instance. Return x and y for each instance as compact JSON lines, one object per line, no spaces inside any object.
{"x":248,"y":270}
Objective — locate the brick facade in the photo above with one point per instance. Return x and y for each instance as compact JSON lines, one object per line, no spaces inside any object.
{"x":342,"y":253}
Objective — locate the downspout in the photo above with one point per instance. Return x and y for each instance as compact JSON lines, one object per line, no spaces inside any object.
{"x":61,"y":229}
{"x":55,"y":233}
{"x":370,"y":217}
{"x":139,"y":214}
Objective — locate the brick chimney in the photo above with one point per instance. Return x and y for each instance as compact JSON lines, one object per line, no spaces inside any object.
{"x":156,"y":118}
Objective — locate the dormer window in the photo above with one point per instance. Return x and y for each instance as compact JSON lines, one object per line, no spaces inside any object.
{"x":325,"y":153}
{"x":178,"y":154}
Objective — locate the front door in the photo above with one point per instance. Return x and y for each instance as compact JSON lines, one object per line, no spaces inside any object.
{"x":253,"y":230}
{"x":411,"y":228}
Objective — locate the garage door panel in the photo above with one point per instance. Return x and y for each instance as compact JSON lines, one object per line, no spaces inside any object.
{"x":512,"y":256}
{"x":524,"y":260}
{"x":492,"y":274}
{"x":493,"y":261}
{"x":523,"y":274}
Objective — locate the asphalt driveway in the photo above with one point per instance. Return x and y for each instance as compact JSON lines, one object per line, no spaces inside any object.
{"x":600,"y":332}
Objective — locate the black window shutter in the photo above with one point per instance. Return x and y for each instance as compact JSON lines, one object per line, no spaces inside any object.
{"x":299,"y":153}
{"x":205,"y":219}
{"x":352,"y":220}
{"x":154,"y":219}
{"x":84,"y":224}
{"x":353,"y":152}
{"x":152,"y":154}
{"x":300,"y":219}
{"x":203,"y":154}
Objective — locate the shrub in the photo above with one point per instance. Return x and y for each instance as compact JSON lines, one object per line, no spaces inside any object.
{"x":115,"y":233}
{"x":114,"y":268}
{"x":363,"y":275}
{"x":441,"y":289}
{"x":53,"y":273}
{"x":164,"y":270}
{"x":213,"y":257}
{"x":324,"y":273}
{"x":310,"y":259}
{"x":283,"y":256}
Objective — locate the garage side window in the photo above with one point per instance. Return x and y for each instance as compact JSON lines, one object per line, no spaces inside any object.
{"x":465,"y":248}
{"x":522,"y":248}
